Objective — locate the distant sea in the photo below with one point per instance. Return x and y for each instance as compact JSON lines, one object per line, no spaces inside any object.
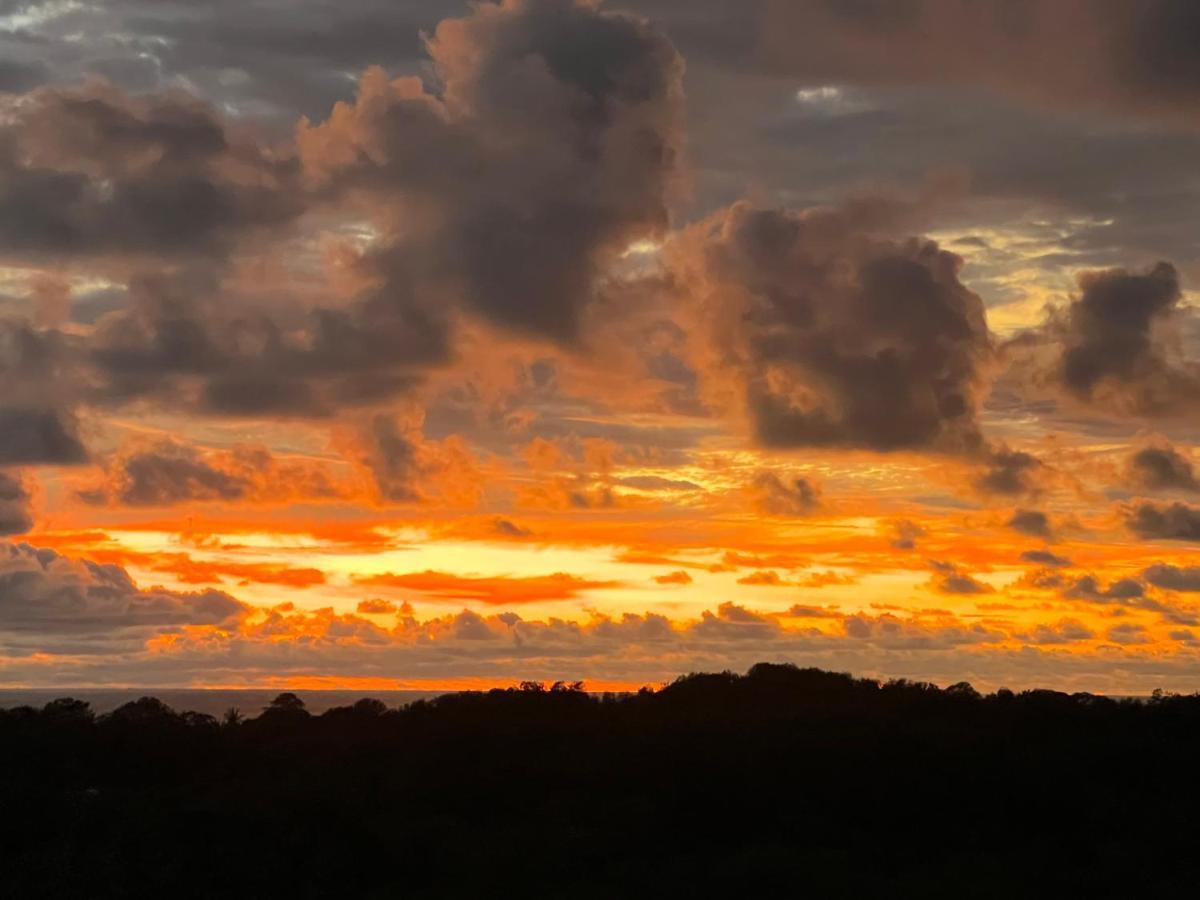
{"x":214,"y":702}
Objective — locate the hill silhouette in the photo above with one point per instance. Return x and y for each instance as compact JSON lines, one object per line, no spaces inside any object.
{"x":780,"y":782}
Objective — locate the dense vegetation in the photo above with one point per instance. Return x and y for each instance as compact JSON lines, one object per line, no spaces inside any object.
{"x":781,"y":782}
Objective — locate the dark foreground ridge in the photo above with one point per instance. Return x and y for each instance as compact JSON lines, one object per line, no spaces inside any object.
{"x":781,"y":782}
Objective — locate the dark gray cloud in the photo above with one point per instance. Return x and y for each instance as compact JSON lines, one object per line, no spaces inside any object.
{"x":1032,"y":522}
{"x":37,"y":418}
{"x":165,"y":474}
{"x":1086,"y":587}
{"x":1125,"y":592}
{"x":1108,"y":332}
{"x":99,"y":177}
{"x":18,"y":77}
{"x":551,"y":147}
{"x":1045,"y":558}
{"x":950,"y":579}
{"x":38,"y":436}
{"x":54,"y":596}
{"x":1162,"y":468}
{"x":1114,"y":345}
{"x":949,"y":84}
{"x":178,"y":338}
{"x":90,"y":171}
{"x":1009,"y":473}
{"x":1134,"y":57}
{"x":839,"y":338}
{"x":1173,"y":578}
{"x":244,"y":53}
{"x":1159,"y":50}
{"x":15,"y":517}
{"x":1160,"y":521}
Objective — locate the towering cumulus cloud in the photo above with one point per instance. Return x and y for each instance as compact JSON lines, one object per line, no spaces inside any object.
{"x":547,"y":142}
{"x":550,"y":147}
{"x":835,"y":337}
{"x":1114,"y":345}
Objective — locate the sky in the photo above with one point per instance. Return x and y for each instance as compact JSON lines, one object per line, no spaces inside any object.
{"x":417,"y":344}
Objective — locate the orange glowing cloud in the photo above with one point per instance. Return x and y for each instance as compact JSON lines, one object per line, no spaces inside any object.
{"x":497,"y":590}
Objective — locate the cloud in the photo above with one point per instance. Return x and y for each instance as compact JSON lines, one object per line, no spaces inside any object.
{"x":405,"y":467}
{"x":497,"y":590}
{"x":38,"y":436}
{"x":1113,"y":345}
{"x":16,"y":77}
{"x":658,"y":483}
{"x":791,"y":496}
{"x":550,"y":147}
{"x":89,"y":171}
{"x":376,"y":607}
{"x":166,"y":472}
{"x":763,"y":579}
{"x":893,"y":633}
{"x":1046,"y":558}
{"x":817,"y":580}
{"x":679,"y":577}
{"x":159,"y":178}
{"x":37,"y":418}
{"x":189,"y":638}
{"x":389,"y":451}
{"x":950,"y":579}
{"x":1129,"y":592}
{"x":1155,"y":521}
{"x":1130,"y":58}
{"x":48,"y":595}
{"x":834,"y":337}
{"x":509,"y":529}
{"x":732,"y":622}
{"x":1128,"y":633}
{"x":1064,"y":631}
{"x":905,"y":534}
{"x":1031,"y":522}
{"x":1086,"y":587}
{"x":1173,"y":578}
{"x":15,"y":517}
{"x":192,"y":571}
{"x":1162,"y":468}
{"x":180,"y":340}
{"x":1009,"y":473}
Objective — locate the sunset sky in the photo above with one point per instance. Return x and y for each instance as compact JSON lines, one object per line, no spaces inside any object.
{"x":412,"y":343}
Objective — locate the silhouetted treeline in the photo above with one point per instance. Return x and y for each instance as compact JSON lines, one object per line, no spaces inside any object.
{"x":783,"y":782}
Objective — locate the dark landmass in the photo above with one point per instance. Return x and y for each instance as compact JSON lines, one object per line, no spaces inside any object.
{"x":780,"y":782}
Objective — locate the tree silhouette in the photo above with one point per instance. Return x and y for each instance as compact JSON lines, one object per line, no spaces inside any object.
{"x":287,"y":703}
{"x":780,"y":781}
